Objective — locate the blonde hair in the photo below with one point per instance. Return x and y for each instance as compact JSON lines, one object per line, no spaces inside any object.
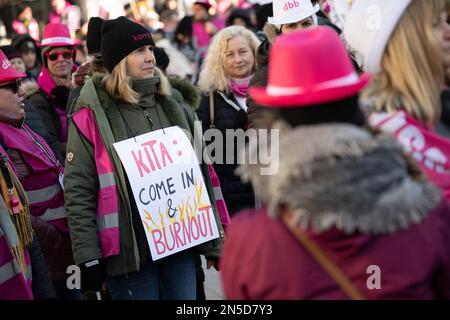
{"x":412,"y":73}
{"x":212,"y":76}
{"x":118,"y":84}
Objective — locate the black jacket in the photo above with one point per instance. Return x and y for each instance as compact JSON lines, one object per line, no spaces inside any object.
{"x":226,"y":116}
{"x":44,"y":107}
{"x":443,"y":127}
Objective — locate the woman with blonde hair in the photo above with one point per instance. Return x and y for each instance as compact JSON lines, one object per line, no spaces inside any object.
{"x":109,"y":241}
{"x":404,"y":44}
{"x":229,"y":65}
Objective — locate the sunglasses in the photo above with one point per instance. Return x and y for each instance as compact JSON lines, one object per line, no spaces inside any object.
{"x":13,"y":86}
{"x":53,"y":56}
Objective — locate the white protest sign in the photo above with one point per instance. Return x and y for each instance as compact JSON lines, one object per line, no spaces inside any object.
{"x":169,"y":190}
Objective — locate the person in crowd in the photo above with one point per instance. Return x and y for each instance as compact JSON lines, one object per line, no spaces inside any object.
{"x":93,"y":65}
{"x":25,"y":23}
{"x":184,"y":57}
{"x":406,"y":55}
{"x":283,"y":21}
{"x":24,"y":274}
{"x":15,"y":236}
{"x":33,"y":118}
{"x":203,"y":25}
{"x":226,"y":73}
{"x":65,"y":13}
{"x":108,"y":238}
{"x":443,"y":127}
{"x":328,"y":241}
{"x":169,"y":20}
{"x":240,"y":17}
{"x":41,"y":176}
{"x":31,"y":54}
{"x":15,"y":58}
{"x":54,"y":84}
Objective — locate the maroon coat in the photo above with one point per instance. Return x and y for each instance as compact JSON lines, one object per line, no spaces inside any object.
{"x":263,"y":260}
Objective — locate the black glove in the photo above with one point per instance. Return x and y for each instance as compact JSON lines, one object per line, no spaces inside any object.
{"x":60,"y":96}
{"x":93,"y":275}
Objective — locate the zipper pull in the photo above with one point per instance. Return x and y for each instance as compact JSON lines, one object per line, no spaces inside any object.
{"x":148,"y":118}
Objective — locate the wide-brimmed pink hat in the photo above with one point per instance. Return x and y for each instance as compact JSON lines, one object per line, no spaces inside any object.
{"x":309,"y":67}
{"x":7,"y":72}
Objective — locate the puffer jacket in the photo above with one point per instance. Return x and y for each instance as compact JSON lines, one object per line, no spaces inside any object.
{"x":228,"y":115}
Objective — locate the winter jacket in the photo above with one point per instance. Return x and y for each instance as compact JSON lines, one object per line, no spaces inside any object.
{"x":34,"y":120}
{"x":39,"y":172}
{"x":396,"y":222}
{"x":52,"y":109}
{"x":443,"y":127}
{"x":82,"y":179}
{"x":228,"y":115}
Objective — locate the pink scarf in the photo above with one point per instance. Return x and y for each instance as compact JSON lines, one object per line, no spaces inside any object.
{"x":430,"y":150}
{"x":239,"y":87}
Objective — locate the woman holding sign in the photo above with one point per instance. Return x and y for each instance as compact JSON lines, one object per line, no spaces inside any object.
{"x":109,"y":239}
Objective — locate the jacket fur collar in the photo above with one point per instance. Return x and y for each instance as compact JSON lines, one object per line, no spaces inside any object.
{"x":343,"y":176}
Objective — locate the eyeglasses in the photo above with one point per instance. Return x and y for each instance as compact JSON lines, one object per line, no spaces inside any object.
{"x":13,"y":86}
{"x":53,"y":56}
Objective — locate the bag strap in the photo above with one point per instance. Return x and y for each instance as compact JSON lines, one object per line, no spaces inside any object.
{"x":211,"y":110}
{"x":324,"y":260}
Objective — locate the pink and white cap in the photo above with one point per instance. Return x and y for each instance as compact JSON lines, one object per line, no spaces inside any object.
{"x":56,"y":35}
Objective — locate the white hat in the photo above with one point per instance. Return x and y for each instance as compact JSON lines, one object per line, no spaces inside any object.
{"x":291,"y":11}
{"x":260,"y":2}
{"x":369,"y":26}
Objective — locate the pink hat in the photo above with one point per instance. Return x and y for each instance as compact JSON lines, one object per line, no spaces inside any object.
{"x":7,"y":72}
{"x":56,"y":35}
{"x":307,"y":68}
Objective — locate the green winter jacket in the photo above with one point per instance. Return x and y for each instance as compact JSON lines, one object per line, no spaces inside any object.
{"x":82,"y":185}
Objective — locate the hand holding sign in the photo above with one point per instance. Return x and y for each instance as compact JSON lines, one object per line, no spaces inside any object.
{"x":169,"y":190}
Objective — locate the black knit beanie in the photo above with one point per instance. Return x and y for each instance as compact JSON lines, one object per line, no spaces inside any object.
{"x":162,"y":59}
{"x":10,"y":52}
{"x":120,"y":37}
{"x":94,"y":35}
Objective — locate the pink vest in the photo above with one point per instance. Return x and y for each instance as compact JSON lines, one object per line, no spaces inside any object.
{"x":15,"y":283}
{"x":107,"y":200}
{"x":43,"y":188}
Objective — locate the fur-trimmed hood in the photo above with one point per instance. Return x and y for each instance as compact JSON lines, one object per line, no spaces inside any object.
{"x":189,"y":92}
{"x":343,"y":176}
{"x":30,"y":88}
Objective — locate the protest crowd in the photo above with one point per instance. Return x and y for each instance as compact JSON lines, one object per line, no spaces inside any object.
{"x":128,"y":131}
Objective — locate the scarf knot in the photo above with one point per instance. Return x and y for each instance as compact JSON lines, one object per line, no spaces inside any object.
{"x":239,"y":87}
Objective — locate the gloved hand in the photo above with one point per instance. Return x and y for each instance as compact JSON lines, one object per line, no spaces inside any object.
{"x":93,"y":275}
{"x":60,"y":96}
